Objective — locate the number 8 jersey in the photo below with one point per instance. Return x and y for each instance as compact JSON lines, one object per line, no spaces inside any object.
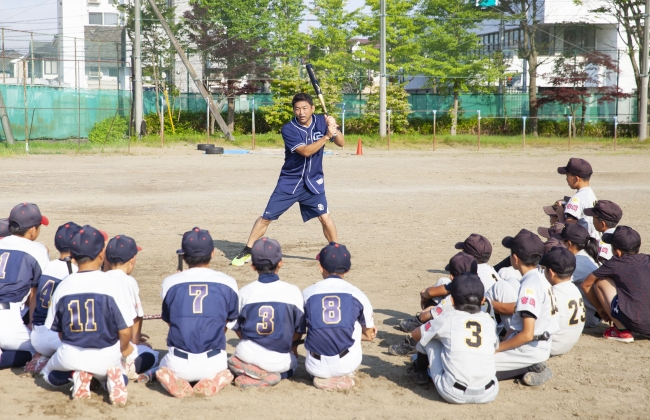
{"x":335,"y":311}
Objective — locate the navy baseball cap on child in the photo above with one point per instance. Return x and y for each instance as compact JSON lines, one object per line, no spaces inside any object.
{"x":266,"y":252}
{"x":64,"y":235}
{"x":576,"y":166}
{"x":466,"y":285}
{"x":335,"y":258}
{"x":551,"y":232}
{"x":552,"y":243}
{"x":525,"y":244}
{"x":461,"y":263}
{"x":476,"y":245}
{"x":197,"y":243}
{"x":560,"y":260}
{"x":575,"y":233}
{"x":606,"y":210}
{"x":121,"y":249}
{"x":4,"y":228}
{"x":87,"y":242}
{"x":26,"y":215}
{"x":624,"y":238}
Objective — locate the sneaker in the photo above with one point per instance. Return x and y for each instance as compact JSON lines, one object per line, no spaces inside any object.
{"x":30,"y":367}
{"x":537,"y":367}
{"x":419,"y":377}
{"x":242,"y":368}
{"x":115,"y":386}
{"x":405,"y":348}
{"x":408,"y":325}
{"x":178,"y":388}
{"x":41,"y":364}
{"x":613,"y":333}
{"x":129,"y":368}
{"x":537,"y":378}
{"x":336,"y":382}
{"x":81,"y":385}
{"x":245,"y":381}
{"x":241,"y":259}
{"x":211,"y":386}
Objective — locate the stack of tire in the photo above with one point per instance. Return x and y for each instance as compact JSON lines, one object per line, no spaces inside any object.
{"x":210,"y":149}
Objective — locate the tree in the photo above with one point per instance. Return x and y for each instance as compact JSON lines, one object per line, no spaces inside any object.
{"x":580,"y":82}
{"x":396,"y":101}
{"x":241,"y":64}
{"x":286,"y":40}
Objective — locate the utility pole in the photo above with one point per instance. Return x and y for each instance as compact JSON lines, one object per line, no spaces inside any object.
{"x":382,"y":69}
{"x":137,"y":71}
{"x":643,"y":106}
{"x":502,"y":33}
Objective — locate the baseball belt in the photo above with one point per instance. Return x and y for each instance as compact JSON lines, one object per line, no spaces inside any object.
{"x":463,"y":388}
{"x":185,"y":355}
{"x":5,"y":305}
{"x":341,"y":354}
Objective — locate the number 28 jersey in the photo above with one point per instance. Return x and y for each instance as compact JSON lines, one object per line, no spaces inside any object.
{"x":88,"y":310}
{"x":198,"y":304}
{"x":335,"y":311}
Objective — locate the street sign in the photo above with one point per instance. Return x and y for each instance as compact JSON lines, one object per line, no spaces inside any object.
{"x":487,"y":3}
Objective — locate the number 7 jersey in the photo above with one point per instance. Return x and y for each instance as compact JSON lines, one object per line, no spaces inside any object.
{"x":335,"y":311}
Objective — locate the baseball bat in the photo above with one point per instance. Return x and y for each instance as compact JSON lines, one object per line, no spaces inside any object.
{"x":180,"y":254}
{"x":68,"y":261}
{"x":316,"y":85}
{"x":542,"y":337}
{"x":148,"y":317}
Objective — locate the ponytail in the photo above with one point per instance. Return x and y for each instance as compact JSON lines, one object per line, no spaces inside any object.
{"x":591,"y":248}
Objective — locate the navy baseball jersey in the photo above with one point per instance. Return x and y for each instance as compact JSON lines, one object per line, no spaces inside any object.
{"x":271,"y":312}
{"x":335,"y":311}
{"x":197,"y":304}
{"x":21,"y":264}
{"x":299,"y":171}
{"x":87,"y":309}
{"x":55,"y":271}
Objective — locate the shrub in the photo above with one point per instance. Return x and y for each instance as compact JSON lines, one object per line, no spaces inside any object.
{"x":98,"y":134}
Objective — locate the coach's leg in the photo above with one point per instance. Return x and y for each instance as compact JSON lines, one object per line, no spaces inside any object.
{"x":329,"y":228}
{"x":259,"y":229}
{"x":606,"y":291}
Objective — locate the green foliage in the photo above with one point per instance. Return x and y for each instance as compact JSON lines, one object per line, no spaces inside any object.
{"x":195,"y":123}
{"x":396,"y":101}
{"x":102,"y":132}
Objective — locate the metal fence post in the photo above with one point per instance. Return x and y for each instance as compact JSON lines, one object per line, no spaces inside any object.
{"x":524,"y":132}
{"x":253,"y":121}
{"x":615,"y":131}
{"x":479,"y":130}
{"x":570,"y":118}
{"x":434,"y":129}
{"x":389,"y":112}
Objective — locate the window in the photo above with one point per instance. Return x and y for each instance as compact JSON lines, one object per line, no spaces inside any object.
{"x":113,"y":1}
{"x":579,"y":39}
{"x":50,"y":67}
{"x":95,"y":19}
{"x":110,"y":19}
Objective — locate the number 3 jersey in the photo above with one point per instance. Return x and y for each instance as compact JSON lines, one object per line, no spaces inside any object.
{"x":335,"y":311}
{"x":468,"y":341}
{"x":88,"y":310}
{"x":21,"y":263}
{"x":197,"y":304}
{"x":570,"y":317}
{"x":55,"y":271}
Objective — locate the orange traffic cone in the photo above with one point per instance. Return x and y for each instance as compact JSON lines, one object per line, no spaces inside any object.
{"x":359,"y":147}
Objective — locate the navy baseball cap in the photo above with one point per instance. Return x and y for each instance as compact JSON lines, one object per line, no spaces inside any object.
{"x":475,"y":245}
{"x":551,"y":232}
{"x":87,"y":242}
{"x":560,"y":260}
{"x":461,"y":263}
{"x":266,"y":252}
{"x":4,"y":228}
{"x":121,"y":249}
{"x":466,"y":285}
{"x":26,"y":215}
{"x":525,"y":244}
{"x":197,"y":243}
{"x":64,"y":235}
{"x":624,"y":238}
{"x":606,"y":210}
{"x":578,"y":167}
{"x":335,"y":258}
{"x":552,"y":243}
{"x":575,"y":233}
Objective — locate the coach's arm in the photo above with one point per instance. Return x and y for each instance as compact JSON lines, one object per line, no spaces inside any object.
{"x":309,"y":149}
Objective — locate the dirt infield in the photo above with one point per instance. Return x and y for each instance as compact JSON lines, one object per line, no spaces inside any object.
{"x":398,"y":213}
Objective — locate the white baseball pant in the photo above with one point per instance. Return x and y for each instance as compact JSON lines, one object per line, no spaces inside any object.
{"x":271,"y":361}
{"x":333,"y":366}
{"x":94,"y":361}
{"x":45,"y":341}
{"x":14,"y":334}
{"x":523,"y":356}
{"x":194,"y":367}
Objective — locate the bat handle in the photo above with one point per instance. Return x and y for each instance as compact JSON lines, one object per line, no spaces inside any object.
{"x":68,"y":261}
{"x":180,"y":254}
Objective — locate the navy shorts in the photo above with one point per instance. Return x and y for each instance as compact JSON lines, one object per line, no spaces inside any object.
{"x":311,"y":205}
{"x":619,"y":315}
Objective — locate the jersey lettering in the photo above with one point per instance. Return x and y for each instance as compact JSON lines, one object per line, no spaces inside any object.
{"x":554,"y":309}
{"x":266,"y":326}
{"x":46,"y":293}
{"x":331,"y":309}
{"x":583,"y":317}
{"x":4,"y":259}
{"x":199,"y":291}
{"x":76,"y":324}
{"x":475,"y":339}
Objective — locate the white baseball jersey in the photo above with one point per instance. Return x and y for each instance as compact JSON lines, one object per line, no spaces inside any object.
{"x":570,"y":316}
{"x":581,"y":200}
{"x":585,"y":265}
{"x":605,"y":250}
{"x":487,"y":275}
{"x":469,"y":341}
{"x":512,"y":276}
{"x":131,"y":290}
{"x":21,"y":264}
{"x":536,"y":296}
{"x":55,"y":271}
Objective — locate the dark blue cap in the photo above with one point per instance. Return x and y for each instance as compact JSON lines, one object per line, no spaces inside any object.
{"x":27,"y":215}
{"x":624,"y":238}
{"x":266,"y":252}
{"x":4,"y":228}
{"x":560,"y":260}
{"x":121,"y":249}
{"x":64,"y":235}
{"x":197,"y":243}
{"x":335,"y":258}
{"x":88,"y":242}
{"x":462,"y":263}
{"x":466,"y":285}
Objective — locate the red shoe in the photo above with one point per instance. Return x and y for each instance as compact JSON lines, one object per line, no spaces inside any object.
{"x":336,"y":382}
{"x":30,"y":367}
{"x":241,"y":368}
{"x":81,"y":385}
{"x":211,"y":386}
{"x":613,"y":333}
{"x":245,"y":381}
{"x":40,"y":364}
{"x":178,"y":388}
{"x":117,"y":393}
